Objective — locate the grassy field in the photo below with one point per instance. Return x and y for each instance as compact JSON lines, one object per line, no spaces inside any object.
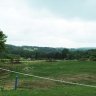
{"x":73,"y":71}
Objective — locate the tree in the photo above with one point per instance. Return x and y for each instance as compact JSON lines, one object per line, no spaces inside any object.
{"x":65,"y":53}
{"x":2,"y":40}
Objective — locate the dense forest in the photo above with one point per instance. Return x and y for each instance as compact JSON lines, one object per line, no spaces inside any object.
{"x":48,"y":53}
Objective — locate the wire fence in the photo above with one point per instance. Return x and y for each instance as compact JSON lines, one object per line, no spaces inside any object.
{"x":12,"y":80}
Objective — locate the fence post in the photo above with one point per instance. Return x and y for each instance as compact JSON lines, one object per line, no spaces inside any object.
{"x":16,"y":82}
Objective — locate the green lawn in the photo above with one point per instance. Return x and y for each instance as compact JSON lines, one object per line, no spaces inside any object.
{"x":57,"y":91}
{"x":74,"y":71}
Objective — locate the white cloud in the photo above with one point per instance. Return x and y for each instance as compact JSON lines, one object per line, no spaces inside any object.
{"x":28,"y":26}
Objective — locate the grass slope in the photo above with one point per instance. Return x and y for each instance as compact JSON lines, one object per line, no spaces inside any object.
{"x":73,"y":71}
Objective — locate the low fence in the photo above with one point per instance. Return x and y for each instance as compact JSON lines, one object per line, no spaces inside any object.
{"x":12,"y":80}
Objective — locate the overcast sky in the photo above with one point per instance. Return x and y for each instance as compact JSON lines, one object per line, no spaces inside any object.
{"x":51,"y":23}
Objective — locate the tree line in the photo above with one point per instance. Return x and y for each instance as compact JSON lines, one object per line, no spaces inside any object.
{"x":34,"y":53}
{"x":47,"y":53}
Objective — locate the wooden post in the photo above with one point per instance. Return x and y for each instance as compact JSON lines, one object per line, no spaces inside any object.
{"x":16,"y":82}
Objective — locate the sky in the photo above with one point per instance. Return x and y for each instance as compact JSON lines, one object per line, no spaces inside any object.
{"x":49,"y":23}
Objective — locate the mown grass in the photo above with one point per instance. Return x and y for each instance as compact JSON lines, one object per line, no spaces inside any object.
{"x":57,"y":91}
{"x":74,"y":71}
